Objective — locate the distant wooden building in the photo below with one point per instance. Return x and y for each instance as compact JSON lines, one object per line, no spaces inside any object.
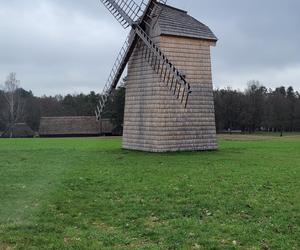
{"x":74,"y":126}
{"x":19,"y":130}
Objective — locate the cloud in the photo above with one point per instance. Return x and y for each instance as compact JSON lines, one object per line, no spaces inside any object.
{"x":271,"y":78}
{"x":255,"y":38}
{"x":66,"y":46}
{"x":55,"y":49}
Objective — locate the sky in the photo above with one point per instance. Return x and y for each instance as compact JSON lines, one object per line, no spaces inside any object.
{"x":67,"y":46}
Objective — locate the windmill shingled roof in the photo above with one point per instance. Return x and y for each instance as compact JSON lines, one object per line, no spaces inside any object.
{"x":177,"y":22}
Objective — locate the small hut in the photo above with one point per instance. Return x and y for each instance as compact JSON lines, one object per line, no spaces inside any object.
{"x":69,"y":126}
{"x":19,"y":130}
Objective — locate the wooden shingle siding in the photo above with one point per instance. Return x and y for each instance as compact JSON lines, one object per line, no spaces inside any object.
{"x":154,"y":119}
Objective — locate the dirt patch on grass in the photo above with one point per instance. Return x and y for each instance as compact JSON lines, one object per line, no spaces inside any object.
{"x":4,"y":246}
{"x":153,"y":222}
{"x":239,"y":137}
{"x":103,"y":226}
{"x":244,"y":137}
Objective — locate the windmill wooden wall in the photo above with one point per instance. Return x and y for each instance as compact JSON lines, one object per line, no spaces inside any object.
{"x":154,"y":120}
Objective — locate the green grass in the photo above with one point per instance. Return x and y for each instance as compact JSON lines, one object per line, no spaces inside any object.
{"x":90,"y":194}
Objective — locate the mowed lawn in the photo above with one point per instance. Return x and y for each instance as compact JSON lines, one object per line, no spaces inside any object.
{"x":91,"y":194}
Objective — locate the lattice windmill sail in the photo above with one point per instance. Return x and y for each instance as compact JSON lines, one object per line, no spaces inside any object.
{"x":128,"y":13}
{"x":166,"y":108}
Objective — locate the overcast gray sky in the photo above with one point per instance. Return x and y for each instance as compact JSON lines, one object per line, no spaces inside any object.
{"x":69,"y":46}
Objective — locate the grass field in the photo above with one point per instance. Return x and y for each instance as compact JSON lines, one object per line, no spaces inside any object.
{"x":90,"y":194}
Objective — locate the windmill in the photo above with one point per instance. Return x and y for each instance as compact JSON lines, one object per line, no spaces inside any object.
{"x":164,"y":111}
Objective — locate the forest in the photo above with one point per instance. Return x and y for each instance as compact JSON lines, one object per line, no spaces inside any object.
{"x":257,"y":108}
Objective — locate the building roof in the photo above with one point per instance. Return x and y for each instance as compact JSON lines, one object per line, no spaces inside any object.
{"x":177,"y":22}
{"x":69,"y":125}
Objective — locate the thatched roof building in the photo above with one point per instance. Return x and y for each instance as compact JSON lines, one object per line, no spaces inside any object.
{"x":19,"y":130}
{"x":73,"y":126}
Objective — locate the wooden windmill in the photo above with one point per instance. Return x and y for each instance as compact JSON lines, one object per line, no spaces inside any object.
{"x":167,"y":108}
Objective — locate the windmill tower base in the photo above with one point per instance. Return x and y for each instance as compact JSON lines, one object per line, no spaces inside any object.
{"x":154,"y":120}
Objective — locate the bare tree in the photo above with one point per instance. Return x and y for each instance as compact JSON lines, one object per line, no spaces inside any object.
{"x":13,"y":108}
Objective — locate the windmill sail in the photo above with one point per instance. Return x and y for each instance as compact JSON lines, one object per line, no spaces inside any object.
{"x":125,"y":11}
{"x":116,"y":73}
{"x":128,"y":13}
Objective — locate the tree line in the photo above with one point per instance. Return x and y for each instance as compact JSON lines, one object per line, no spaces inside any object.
{"x":255,"y":109}
{"x":18,"y":105}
